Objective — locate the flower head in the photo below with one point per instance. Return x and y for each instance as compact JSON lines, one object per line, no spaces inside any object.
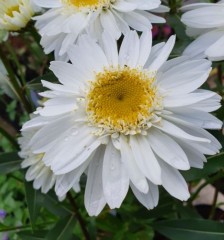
{"x":205,"y":22}
{"x":67,"y":19}
{"x":15,"y":14}
{"x":127,"y":118}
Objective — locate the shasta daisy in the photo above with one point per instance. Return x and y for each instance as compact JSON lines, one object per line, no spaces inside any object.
{"x":126,"y":118}
{"x":60,"y":26}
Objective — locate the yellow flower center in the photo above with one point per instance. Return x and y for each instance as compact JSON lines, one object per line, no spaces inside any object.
{"x":11,"y":10}
{"x":93,"y":4}
{"x":121,"y":100}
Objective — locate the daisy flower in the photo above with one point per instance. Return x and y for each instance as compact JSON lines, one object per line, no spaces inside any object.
{"x":42,"y":176}
{"x":67,"y":19}
{"x":127,"y":118}
{"x":205,"y":21}
{"x":15,"y":14}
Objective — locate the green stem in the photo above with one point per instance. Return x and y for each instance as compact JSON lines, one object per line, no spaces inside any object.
{"x":212,"y":212}
{"x":9,"y":137}
{"x":208,"y":181}
{"x":78,"y":215}
{"x":27,"y":227}
{"x":16,"y":60}
{"x":15,"y":83}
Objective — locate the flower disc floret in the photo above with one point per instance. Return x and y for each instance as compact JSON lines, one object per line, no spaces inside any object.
{"x":121,"y":100}
{"x":89,"y":4}
{"x":15,"y":14}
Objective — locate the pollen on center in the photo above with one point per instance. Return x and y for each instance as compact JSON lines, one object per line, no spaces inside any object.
{"x":10,"y":11}
{"x":86,"y":3}
{"x":121,"y":100}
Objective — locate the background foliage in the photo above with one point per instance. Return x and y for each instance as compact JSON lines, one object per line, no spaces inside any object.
{"x":29,"y":215}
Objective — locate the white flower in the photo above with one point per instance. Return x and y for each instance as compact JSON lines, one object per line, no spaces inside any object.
{"x":42,"y":176}
{"x":127,"y":119}
{"x":67,"y":19}
{"x":15,"y":14}
{"x":206,"y":22}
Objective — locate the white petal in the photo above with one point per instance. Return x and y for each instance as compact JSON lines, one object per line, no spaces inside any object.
{"x":123,"y":6}
{"x":215,"y":52}
{"x":205,"y":17}
{"x":145,"y":47}
{"x":172,"y":129}
{"x":66,"y":181}
{"x":109,"y":24}
{"x":149,"y":199}
{"x":85,"y":143}
{"x":115,"y":177}
{"x":41,"y":140}
{"x":94,"y":198}
{"x":197,"y":47}
{"x":48,"y":3}
{"x":196,"y":159}
{"x":145,"y":158}
{"x":174,"y":183}
{"x":163,"y":55}
{"x":168,"y":150}
{"x":196,"y":117}
{"x":110,"y":48}
{"x":129,"y":50}
{"x":137,"y":21}
{"x":136,"y":176}
{"x":185,"y":77}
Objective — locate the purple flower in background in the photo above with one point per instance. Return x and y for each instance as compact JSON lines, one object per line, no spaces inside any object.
{"x":5,"y":236}
{"x":2,"y":214}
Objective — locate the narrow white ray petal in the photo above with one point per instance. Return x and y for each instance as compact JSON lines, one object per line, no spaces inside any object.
{"x":137,"y":21}
{"x":40,"y":139}
{"x":163,"y":55}
{"x":196,"y":117}
{"x":109,"y":24}
{"x":115,"y":177}
{"x":195,"y":158}
{"x":215,"y":52}
{"x":173,"y":182}
{"x":66,"y":181}
{"x":170,"y":128}
{"x":136,"y":176}
{"x":85,"y":143}
{"x":110,"y":48}
{"x":123,"y":6}
{"x":205,"y":17}
{"x":129,"y":50}
{"x":149,"y":199}
{"x":94,"y":198}
{"x":145,"y":158}
{"x":167,"y":149}
{"x":48,"y":3}
{"x":145,"y":47}
{"x":197,"y":48}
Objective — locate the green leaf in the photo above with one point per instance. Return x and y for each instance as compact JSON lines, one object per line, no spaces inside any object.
{"x":214,"y":164}
{"x":63,"y":229}
{"x":26,"y":235}
{"x":9,"y":162}
{"x":36,"y":84}
{"x":54,"y":206}
{"x":190,"y":229}
{"x":34,"y":201}
{"x":174,"y":21}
